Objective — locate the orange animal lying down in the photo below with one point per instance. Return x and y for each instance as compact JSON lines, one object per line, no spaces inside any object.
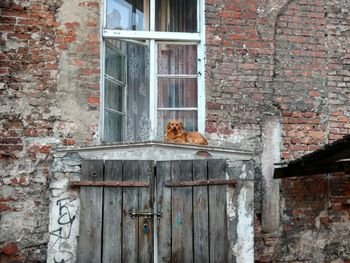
{"x":176,"y":133}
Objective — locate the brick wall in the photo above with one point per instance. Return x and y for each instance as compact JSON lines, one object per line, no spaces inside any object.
{"x":238,"y":69}
{"x":300,"y":77}
{"x":289,"y":59}
{"x":338,"y":75}
{"x":316,"y":219}
{"x":49,"y":57}
{"x":310,"y":88}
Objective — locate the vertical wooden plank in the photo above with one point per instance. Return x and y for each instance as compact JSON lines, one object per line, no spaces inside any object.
{"x":90,"y":231}
{"x":146,"y":203}
{"x":200,"y":213}
{"x":112,"y":215}
{"x":130,"y":225}
{"x":181,"y":218}
{"x":163,"y":200}
{"x":218,"y":236}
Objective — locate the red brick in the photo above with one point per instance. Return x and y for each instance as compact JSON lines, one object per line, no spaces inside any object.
{"x":72,"y":25}
{"x":10,"y":249}
{"x":69,"y":141}
{"x":40,"y":149}
{"x":21,"y":181}
{"x":93,"y":100}
{"x":15,"y":13}
{"x":4,"y":148}
{"x":90,"y":4}
{"x":89,"y":71}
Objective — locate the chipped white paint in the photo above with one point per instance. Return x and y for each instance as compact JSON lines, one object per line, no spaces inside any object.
{"x":63,"y":229}
{"x":240,"y":138}
{"x":231,"y":208}
{"x":244,"y":248}
{"x":271,"y":139}
{"x":243,"y":175}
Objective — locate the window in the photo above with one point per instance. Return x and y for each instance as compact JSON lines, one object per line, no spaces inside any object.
{"x":153,"y":68}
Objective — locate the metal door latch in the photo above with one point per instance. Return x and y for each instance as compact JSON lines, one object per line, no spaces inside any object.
{"x":146,"y":213}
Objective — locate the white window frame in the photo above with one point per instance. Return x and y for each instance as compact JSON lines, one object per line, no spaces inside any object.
{"x":153,"y":37}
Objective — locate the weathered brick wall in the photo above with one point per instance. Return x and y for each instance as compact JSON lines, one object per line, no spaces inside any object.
{"x":289,"y":59}
{"x":300,"y":77}
{"x":316,"y":220}
{"x":310,"y":90}
{"x":49,"y":75}
{"x":238,"y":69}
{"x":338,"y":75}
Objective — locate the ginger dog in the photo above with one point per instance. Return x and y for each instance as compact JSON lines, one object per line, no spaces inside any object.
{"x":176,"y":133}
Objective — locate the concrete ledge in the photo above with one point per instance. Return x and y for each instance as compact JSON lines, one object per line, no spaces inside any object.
{"x":155,"y":150}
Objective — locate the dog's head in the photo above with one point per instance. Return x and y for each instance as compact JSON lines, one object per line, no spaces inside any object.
{"x":175,"y":127}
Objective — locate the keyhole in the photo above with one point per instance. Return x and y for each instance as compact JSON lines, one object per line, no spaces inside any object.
{"x":145,"y":228}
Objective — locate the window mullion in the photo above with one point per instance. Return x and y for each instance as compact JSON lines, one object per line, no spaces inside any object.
{"x":201,"y":67}
{"x":152,"y":19}
{"x":173,"y":76}
{"x":125,"y":106}
{"x":118,"y":82}
{"x":142,"y":35}
{"x":179,"y":109}
{"x":153,"y":88}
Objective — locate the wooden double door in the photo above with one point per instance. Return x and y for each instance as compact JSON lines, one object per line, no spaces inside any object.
{"x":146,"y":211}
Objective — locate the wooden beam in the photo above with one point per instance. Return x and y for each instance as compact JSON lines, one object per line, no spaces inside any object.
{"x":302,"y":169}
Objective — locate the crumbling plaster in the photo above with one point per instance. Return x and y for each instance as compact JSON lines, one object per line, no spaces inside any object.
{"x":73,"y":88}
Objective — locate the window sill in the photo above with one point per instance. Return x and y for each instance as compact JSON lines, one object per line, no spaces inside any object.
{"x":157,"y":150}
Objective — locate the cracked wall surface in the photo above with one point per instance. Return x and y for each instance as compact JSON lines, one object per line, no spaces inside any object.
{"x":49,"y":75}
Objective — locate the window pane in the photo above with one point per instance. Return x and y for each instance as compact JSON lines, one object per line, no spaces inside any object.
{"x":176,"y":15}
{"x":127,"y":14}
{"x":114,"y":62}
{"x":177,"y":93}
{"x":114,"y":95}
{"x":188,"y":118}
{"x":138,"y":120}
{"x":113,"y":130}
{"x":130,"y":96}
{"x":177,"y":59}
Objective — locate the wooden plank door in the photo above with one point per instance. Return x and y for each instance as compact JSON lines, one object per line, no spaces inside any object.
{"x":194,"y":225}
{"x":108,"y":232}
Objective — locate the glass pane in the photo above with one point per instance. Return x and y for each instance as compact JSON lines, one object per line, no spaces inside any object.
{"x":176,"y":15}
{"x":114,"y":62}
{"x":177,"y":59}
{"x":138,"y":119}
{"x":177,"y":93}
{"x":188,"y":118}
{"x":114,"y":95}
{"x":127,"y":14}
{"x":113,"y":131}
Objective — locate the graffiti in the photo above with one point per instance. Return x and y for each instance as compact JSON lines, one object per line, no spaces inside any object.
{"x":63,"y":231}
{"x":67,"y":257}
